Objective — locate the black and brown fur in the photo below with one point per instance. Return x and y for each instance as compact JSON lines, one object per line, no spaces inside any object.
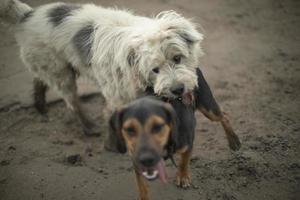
{"x":144,"y":128}
{"x":181,"y":124}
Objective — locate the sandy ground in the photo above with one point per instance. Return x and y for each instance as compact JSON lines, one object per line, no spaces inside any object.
{"x":252,"y":64}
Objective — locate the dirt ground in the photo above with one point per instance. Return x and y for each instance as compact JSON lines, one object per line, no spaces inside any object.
{"x":252,"y":63}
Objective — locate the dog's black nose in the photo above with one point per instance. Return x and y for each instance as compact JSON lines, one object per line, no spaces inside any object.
{"x":148,"y":159}
{"x":178,"y":89}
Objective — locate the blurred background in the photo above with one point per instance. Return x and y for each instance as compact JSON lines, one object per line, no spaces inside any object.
{"x":252,"y":63}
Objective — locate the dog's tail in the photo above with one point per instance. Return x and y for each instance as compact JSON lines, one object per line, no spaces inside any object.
{"x":14,"y":11}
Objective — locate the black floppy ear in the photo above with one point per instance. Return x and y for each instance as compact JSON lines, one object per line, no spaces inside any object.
{"x":173,"y":120}
{"x":115,"y":134}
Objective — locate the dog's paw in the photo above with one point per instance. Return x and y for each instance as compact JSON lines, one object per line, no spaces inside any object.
{"x":143,"y":198}
{"x":234,"y":142}
{"x":183,"y":180}
{"x":110,"y":146}
{"x":92,"y":130}
{"x":44,"y":118}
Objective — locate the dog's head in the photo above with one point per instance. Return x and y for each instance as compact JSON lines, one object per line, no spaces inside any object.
{"x":144,"y":128}
{"x":166,"y":52}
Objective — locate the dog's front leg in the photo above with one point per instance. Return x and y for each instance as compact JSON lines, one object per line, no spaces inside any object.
{"x":142,"y":186}
{"x":89,"y":127}
{"x":66,"y":86}
{"x":183,"y":178}
{"x":206,"y":103}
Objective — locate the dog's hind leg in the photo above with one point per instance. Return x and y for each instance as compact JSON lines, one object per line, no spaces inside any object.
{"x":206,"y":103}
{"x":50,"y":70}
{"x":39,"y":95}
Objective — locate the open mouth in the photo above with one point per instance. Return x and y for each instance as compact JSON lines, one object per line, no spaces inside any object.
{"x":187,"y":98}
{"x":150,"y":174}
{"x":158,"y":171}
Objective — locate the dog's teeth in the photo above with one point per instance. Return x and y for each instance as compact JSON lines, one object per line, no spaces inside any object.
{"x":150,"y":176}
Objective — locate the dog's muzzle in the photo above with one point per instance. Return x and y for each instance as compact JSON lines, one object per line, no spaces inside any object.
{"x":151,"y":166}
{"x":179,"y":91}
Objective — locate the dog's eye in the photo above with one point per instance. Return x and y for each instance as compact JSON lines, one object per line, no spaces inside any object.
{"x":157,"y":128}
{"x":177,"y":59}
{"x":130,"y":131}
{"x":156,"y":70}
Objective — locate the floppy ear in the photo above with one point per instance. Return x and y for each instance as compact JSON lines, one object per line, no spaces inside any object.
{"x":116,"y":138}
{"x":180,"y":26}
{"x":191,"y":36}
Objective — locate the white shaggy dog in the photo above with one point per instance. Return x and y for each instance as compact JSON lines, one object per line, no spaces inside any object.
{"x":121,"y":52}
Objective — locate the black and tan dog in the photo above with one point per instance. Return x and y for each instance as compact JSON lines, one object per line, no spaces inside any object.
{"x":153,"y":129}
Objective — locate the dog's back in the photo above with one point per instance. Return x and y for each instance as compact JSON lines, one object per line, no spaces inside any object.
{"x":63,"y":27}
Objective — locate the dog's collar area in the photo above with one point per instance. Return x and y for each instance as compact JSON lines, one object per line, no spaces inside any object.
{"x":150,"y":91}
{"x":182,"y":99}
{"x":169,"y":100}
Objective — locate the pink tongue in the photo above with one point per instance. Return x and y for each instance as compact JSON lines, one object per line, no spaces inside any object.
{"x":162,"y":171}
{"x":187,"y":98}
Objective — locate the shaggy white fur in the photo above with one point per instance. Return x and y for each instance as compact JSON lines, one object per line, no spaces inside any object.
{"x":121,"y":52}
